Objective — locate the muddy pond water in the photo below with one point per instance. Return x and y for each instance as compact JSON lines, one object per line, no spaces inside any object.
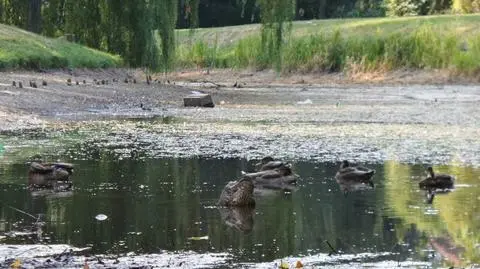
{"x":155,"y":205}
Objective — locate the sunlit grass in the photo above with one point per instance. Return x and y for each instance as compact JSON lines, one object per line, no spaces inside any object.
{"x":433,"y":42}
{"x":22,"y":49}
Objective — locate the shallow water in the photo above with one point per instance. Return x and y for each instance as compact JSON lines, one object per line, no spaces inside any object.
{"x":157,"y":205}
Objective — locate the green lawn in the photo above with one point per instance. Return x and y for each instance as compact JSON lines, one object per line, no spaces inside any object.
{"x":23,"y":49}
{"x":462,"y":24}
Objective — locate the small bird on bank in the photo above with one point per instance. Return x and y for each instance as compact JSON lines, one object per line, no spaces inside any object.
{"x":142,"y":106}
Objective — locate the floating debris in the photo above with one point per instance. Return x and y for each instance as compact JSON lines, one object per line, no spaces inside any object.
{"x":101,"y":217}
{"x":197,"y":238}
{"x":306,"y":102}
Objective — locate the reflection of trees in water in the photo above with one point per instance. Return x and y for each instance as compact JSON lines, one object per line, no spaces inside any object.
{"x":458,"y":211}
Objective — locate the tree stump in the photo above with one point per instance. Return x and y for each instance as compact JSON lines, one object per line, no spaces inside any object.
{"x":198,"y":99}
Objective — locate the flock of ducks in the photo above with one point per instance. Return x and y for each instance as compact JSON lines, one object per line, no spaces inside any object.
{"x":70,"y":82}
{"x":273,"y":174}
{"x":269,"y":174}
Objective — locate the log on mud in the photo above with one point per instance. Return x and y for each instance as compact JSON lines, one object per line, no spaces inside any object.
{"x":197,"y":99}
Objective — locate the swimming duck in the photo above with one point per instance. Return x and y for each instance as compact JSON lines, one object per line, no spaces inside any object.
{"x":278,"y":178}
{"x":360,"y":174}
{"x":436,"y":181}
{"x":48,"y":175}
{"x":268,"y":163}
{"x":238,"y":193}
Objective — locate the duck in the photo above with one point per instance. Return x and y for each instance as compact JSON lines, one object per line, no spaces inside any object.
{"x":238,"y":193}
{"x":281,"y":178}
{"x":436,"y":181}
{"x":268,"y":163}
{"x":354,"y":174}
{"x":50,"y":175}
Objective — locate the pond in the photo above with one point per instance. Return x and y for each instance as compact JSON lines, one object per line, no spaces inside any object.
{"x":158,"y":205}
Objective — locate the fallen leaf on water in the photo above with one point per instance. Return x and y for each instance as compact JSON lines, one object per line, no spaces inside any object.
{"x":299,"y":264}
{"x":16,"y":264}
{"x":199,"y":238}
{"x":284,"y":265}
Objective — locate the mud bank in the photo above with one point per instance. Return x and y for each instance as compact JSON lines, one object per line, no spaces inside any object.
{"x":409,"y":94}
{"x":262,"y":114}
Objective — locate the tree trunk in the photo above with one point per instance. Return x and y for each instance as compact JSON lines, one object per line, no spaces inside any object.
{"x":322,"y":5}
{"x":1,"y":11}
{"x":35,"y":16}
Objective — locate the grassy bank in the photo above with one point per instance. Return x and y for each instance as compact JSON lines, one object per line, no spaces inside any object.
{"x":434,"y":42}
{"x":22,"y":49}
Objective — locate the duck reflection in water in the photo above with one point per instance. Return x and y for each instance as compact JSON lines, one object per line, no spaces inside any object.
{"x":354,"y":178}
{"x":240,"y":218}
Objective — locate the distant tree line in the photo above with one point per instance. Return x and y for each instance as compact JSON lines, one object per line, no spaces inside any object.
{"x":142,"y":31}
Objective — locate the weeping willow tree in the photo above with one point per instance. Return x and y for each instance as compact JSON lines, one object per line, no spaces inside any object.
{"x":277,"y":16}
{"x":191,"y":12}
{"x":166,"y":21}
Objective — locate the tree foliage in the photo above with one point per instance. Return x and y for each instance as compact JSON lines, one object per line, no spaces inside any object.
{"x":407,"y":7}
{"x":277,"y":17}
{"x":466,"y":6}
{"x":417,"y":7}
{"x":142,"y":31}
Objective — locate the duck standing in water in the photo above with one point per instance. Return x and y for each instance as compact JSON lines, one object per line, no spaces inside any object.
{"x":50,"y":175}
{"x":436,"y":181}
{"x":238,"y":193}
{"x":348,"y":174}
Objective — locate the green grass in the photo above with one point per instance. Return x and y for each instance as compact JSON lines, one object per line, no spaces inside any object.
{"x":22,"y":49}
{"x":432,"y":42}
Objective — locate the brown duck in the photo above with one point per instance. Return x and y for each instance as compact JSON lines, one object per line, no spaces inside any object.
{"x":281,"y":178}
{"x":354,"y":174}
{"x":238,"y":193}
{"x":50,"y":175}
{"x":268,"y":163}
{"x":436,"y":181}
